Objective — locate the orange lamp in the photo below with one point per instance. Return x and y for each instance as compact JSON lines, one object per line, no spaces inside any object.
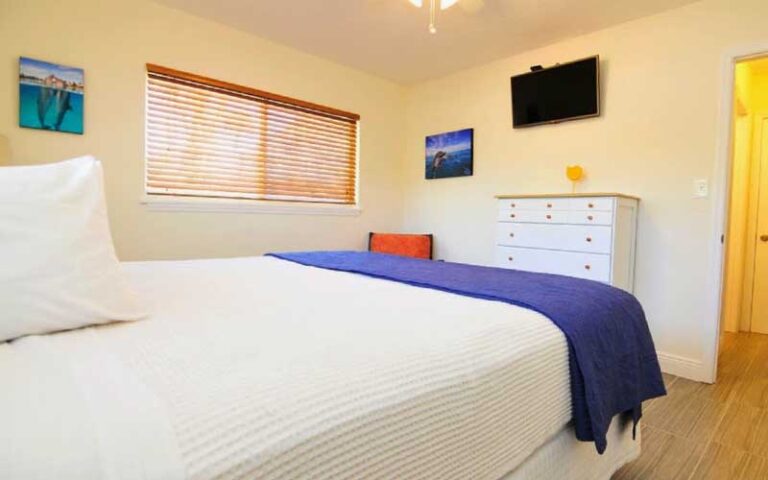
{"x":574,"y":173}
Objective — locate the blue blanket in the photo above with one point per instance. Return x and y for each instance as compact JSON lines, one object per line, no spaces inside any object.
{"x":612,"y":360}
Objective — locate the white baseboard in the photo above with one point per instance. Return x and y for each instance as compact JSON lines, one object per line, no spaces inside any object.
{"x":682,"y":367}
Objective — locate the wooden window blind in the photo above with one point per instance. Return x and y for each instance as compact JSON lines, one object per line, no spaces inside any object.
{"x":208,"y":138}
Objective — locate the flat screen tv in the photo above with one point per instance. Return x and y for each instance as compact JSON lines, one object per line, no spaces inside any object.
{"x":567,"y":91}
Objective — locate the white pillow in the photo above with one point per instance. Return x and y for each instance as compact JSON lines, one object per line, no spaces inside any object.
{"x":58,"y":268}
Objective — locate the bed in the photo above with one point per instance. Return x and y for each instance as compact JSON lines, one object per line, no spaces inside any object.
{"x":265,"y":368}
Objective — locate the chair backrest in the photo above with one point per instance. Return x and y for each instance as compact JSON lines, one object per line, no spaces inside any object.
{"x":407,"y":245}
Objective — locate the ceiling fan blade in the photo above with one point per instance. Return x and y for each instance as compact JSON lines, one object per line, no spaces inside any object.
{"x":471,"y":6}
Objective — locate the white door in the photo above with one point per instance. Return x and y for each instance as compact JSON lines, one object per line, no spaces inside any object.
{"x":760,"y":286}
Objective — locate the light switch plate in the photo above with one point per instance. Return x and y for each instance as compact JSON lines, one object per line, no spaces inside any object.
{"x":701,"y":188}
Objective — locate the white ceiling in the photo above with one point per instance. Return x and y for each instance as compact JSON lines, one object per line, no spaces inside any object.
{"x":389,"y":38}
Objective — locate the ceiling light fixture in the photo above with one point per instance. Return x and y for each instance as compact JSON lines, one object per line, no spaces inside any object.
{"x":444,"y":5}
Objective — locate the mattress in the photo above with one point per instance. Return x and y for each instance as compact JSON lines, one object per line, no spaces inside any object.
{"x":261,"y":368}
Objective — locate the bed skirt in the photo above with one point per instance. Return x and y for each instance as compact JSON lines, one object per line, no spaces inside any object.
{"x":565,"y":458}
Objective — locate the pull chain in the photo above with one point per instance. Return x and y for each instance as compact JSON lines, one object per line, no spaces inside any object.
{"x":432,"y":16}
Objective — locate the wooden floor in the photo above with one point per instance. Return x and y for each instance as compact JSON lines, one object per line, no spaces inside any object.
{"x":701,"y":431}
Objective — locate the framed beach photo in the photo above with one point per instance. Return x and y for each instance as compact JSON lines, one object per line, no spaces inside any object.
{"x":449,"y":154}
{"x":50,"y":96}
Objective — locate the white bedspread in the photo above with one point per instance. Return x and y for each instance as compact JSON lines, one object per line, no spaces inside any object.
{"x":260,"y":368}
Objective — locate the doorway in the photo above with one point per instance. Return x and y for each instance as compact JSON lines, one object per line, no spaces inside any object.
{"x":745,"y":289}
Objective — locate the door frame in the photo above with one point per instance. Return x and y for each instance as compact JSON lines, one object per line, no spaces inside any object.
{"x":721,"y":195}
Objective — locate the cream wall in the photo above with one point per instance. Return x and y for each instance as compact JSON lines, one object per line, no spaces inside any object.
{"x":5,"y":153}
{"x":662,"y":79}
{"x":112,"y":41}
{"x":657,"y":133}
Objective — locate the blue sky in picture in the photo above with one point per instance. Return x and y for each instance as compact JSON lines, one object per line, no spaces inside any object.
{"x":450,"y":142}
{"x":37,"y":68}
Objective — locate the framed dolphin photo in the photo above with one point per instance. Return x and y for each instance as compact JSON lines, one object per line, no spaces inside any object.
{"x":50,"y":96}
{"x":449,"y":154}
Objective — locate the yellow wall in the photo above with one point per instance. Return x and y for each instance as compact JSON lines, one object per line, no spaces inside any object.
{"x":758,"y":107}
{"x":112,"y":40}
{"x":739,"y":201}
{"x":657,"y":133}
{"x":751,"y":105}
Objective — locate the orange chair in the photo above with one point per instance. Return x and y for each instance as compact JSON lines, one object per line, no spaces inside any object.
{"x":407,"y":245}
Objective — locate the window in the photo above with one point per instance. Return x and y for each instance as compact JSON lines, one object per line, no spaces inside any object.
{"x":206,"y":138}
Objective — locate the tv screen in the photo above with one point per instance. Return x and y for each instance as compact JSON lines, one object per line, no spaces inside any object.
{"x":564,"y":92}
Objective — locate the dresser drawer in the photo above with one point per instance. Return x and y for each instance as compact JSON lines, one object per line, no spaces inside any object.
{"x":582,"y":265}
{"x":600,"y":204}
{"x":577,"y":238}
{"x":589,"y":217}
{"x":604,"y":204}
{"x":535,"y":216}
{"x":534,"y":204}
{"x":577,"y":217}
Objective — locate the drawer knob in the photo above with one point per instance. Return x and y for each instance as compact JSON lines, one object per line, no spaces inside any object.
{"x":587,"y":267}
{"x":591,"y":205}
{"x":513,"y":205}
{"x":549,"y":205}
{"x":511,"y":234}
{"x":511,"y":215}
{"x":590,"y":217}
{"x":510,"y":258}
{"x":589,"y":239}
{"x":549,"y":217}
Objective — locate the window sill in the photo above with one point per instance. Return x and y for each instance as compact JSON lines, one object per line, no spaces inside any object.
{"x":162,"y":203}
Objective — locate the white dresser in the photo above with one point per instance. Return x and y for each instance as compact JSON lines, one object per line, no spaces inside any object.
{"x":587,"y":236}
